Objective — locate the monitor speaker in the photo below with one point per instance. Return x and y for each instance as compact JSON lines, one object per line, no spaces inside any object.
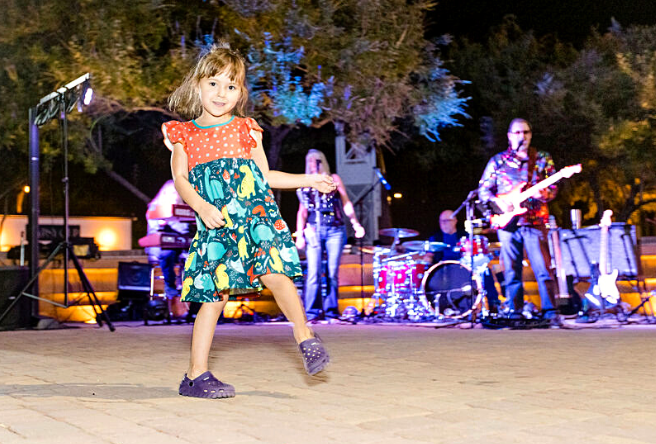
{"x":133,"y":279}
{"x":12,"y":281}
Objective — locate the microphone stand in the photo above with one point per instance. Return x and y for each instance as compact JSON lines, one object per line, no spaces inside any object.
{"x":359,"y":203}
{"x":468,"y":205}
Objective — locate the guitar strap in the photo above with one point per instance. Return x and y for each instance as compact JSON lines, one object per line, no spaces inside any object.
{"x":532,"y":158}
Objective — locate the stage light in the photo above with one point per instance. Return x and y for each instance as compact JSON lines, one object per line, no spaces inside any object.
{"x":88,"y":95}
{"x":71,"y":98}
{"x":26,"y":189}
{"x":56,"y":104}
{"x":64,"y":100}
{"x":398,"y":195}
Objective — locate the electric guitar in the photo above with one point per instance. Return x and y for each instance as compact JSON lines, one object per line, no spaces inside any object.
{"x":603,"y":292}
{"x":516,"y":196}
{"x":568,"y":300}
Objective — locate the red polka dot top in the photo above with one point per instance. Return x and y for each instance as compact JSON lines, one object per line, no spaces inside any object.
{"x":203,"y":144}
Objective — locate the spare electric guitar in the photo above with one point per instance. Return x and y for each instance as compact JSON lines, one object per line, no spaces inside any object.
{"x":567,"y":300}
{"x":603,"y":292}
{"x":516,"y":196}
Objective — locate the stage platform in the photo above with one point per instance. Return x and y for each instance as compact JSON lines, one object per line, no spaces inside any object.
{"x":386,"y":385}
{"x":103,"y":274}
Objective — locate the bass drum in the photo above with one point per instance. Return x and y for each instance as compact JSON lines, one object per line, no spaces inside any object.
{"x":447,"y":286}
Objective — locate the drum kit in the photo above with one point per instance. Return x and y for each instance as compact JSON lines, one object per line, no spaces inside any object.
{"x":408,"y":288}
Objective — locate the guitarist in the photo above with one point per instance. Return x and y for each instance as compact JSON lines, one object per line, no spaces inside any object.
{"x":504,"y":173}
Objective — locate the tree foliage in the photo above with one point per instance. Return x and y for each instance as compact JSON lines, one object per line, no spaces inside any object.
{"x":365,"y":63}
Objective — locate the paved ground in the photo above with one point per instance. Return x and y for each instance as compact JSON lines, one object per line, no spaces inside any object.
{"x":388,"y":384}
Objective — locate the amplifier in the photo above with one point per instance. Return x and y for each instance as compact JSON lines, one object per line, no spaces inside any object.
{"x":13,"y":280}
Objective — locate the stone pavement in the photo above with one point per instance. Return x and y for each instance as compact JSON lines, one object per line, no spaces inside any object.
{"x":387,"y":384}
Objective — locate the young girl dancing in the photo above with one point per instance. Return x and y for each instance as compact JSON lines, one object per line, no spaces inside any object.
{"x":220,"y":170}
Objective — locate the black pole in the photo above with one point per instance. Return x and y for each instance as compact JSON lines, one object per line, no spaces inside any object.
{"x":470,"y":218}
{"x":33,"y":216}
{"x":64,"y":129}
{"x":362,"y":266}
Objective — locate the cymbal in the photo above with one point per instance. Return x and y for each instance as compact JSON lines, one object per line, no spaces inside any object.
{"x":433,"y":247}
{"x":398,"y":232}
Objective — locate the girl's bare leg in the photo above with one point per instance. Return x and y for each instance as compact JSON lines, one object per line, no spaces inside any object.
{"x":201,"y":339}
{"x":286,"y":296}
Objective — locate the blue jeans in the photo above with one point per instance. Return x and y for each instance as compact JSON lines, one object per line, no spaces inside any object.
{"x":167,"y":260}
{"x":490,"y":289}
{"x":513,"y":243}
{"x":332,"y":240}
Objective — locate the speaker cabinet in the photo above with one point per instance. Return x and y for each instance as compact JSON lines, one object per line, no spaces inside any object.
{"x":133,"y":280}
{"x":12,"y":280}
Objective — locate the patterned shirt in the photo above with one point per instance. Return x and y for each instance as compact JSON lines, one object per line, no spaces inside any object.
{"x":505,"y":171}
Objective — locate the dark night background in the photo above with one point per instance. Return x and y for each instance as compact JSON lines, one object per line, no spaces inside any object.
{"x":570,"y":21}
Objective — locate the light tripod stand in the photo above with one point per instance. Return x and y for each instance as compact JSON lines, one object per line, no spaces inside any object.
{"x":60,"y":102}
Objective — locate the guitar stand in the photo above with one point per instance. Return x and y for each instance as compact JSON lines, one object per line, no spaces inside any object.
{"x":650,"y":319}
{"x":635,"y":249}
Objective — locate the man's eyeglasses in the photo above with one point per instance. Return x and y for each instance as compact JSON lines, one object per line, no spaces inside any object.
{"x":517,"y":133}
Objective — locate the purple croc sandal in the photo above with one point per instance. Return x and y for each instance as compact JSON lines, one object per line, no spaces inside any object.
{"x":315,"y":356}
{"x":206,"y":386}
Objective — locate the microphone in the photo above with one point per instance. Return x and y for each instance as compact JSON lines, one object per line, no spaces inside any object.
{"x":382,"y":179}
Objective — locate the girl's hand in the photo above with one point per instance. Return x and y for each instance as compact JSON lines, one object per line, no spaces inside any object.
{"x":322,"y":183}
{"x":359,"y":230}
{"x":211,"y":216}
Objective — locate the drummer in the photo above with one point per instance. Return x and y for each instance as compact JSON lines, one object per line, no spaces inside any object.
{"x":448,"y":234}
{"x":451,"y":235}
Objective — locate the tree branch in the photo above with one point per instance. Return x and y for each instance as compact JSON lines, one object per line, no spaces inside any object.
{"x":117,"y":177}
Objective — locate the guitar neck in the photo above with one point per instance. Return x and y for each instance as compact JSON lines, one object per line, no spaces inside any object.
{"x":603,"y":250}
{"x":540,"y":186}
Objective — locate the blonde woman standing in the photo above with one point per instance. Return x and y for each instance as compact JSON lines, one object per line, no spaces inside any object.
{"x":321,"y":226}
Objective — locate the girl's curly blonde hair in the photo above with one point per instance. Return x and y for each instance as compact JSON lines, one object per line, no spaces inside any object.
{"x":219,"y":59}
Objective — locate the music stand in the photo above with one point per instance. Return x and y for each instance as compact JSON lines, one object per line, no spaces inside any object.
{"x":580,"y":246}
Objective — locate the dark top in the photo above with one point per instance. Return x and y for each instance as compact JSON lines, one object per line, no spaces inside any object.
{"x":324,"y":209}
{"x":450,"y":254}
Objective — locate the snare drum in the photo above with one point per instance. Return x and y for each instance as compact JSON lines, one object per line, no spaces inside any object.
{"x":480,"y":245}
{"x":447,"y":286}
